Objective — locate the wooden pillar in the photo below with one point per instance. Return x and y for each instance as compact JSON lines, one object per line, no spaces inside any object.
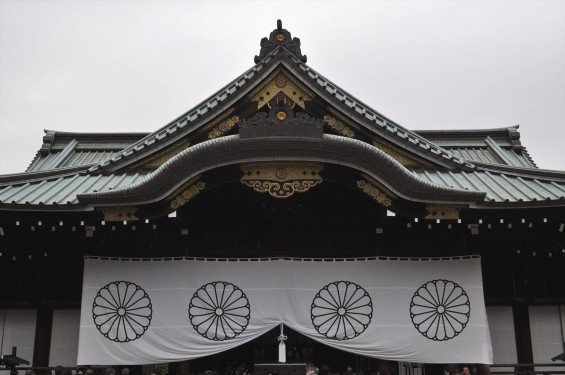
{"x":523,"y":334}
{"x":42,"y":345}
{"x":483,"y":370}
{"x":184,"y":368}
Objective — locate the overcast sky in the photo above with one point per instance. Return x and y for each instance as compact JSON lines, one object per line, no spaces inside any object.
{"x":132,"y":66}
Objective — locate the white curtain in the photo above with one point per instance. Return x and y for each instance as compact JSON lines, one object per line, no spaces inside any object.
{"x":547,"y":336}
{"x":138,"y":312}
{"x":17,"y":328}
{"x":64,"y":338}
{"x":501,"y":323}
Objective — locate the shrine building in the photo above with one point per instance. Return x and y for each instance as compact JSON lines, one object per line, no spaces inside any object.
{"x":282,"y":165}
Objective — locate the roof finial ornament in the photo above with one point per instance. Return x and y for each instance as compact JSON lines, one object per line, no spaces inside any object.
{"x":280,"y":38}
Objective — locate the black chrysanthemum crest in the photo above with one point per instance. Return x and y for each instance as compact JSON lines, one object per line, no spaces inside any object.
{"x":341,"y":310}
{"x":219,"y":311}
{"x":440,"y":310}
{"x":122,"y":311}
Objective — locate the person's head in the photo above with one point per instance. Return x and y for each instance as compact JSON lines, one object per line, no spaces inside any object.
{"x":58,"y":370}
{"x":324,"y":370}
{"x":309,"y":367}
{"x":89,"y":371}
{"x":30,"y":372}
{"x":125,"y":371}
{"x":13,"y":372}
{"x":465,"y":371}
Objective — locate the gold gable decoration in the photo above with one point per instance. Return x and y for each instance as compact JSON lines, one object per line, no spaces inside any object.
{"x":281,"y":83}
{"x":370,"y":188}
{"x":187,"y":195}
{"x":338,"y":126}
{"x":122,"y":213}
{"x":442,"y":212}
{"x":223,"y":127}
{"x":281,"y":180}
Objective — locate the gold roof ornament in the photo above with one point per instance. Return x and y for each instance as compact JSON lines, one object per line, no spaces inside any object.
{"x":281,"y":180}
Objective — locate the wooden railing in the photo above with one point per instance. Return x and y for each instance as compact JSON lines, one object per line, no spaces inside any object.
{"x":527,"y":368}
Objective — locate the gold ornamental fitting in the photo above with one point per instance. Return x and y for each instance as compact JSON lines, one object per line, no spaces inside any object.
{"x":281,"y":180}
{"x":280,"y":82}
{"x":280,"y":37}
{"x":281,"y":115}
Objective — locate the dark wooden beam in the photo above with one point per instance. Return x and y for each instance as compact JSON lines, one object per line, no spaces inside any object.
{"x":42,"y":346}
{"x":523,"y":334}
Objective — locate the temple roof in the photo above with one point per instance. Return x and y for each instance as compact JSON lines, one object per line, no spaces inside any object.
{"x":477,"y":168}
{"x":67,"y":149}
{"x":491,"y":146}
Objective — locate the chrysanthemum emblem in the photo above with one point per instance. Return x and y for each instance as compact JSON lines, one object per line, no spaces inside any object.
{"x":341,"y":310}
{"x":219,"y":311}
{"x":122,"y":311}
{"x":440,"y":310}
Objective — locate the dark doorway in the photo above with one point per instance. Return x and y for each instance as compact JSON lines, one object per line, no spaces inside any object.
{"x":299,"y":348}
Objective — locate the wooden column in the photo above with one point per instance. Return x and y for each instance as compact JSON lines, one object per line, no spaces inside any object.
{"x":483,"y":370}
{"x":523,"y":334}
{"x":42,"y":345}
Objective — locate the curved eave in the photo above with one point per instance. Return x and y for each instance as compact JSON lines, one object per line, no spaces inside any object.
{"x":232,"y":150}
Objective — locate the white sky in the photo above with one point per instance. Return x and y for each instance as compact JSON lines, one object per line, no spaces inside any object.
{"x":131,"y":66}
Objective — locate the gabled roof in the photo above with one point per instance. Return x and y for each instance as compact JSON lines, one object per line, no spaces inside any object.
{"x":477,"y":168}
{"x":286,"y":54}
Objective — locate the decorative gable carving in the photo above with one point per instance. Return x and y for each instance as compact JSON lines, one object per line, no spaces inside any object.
{"x":281,"y":180}
{"x":369,"y":187}
{"x":339,"y":126}
{"x":223,"y":127}
{"x":282,"y":120}
{"x":281,"y":82}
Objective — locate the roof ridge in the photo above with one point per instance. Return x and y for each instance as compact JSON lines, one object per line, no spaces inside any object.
{"x":521,"y":171}
{"x":23,"y":177}
{"x":61,"y":133}
{"x":470,"y":131}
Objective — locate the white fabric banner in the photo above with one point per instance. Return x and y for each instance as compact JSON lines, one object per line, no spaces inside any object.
{"x":141,"y":312}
